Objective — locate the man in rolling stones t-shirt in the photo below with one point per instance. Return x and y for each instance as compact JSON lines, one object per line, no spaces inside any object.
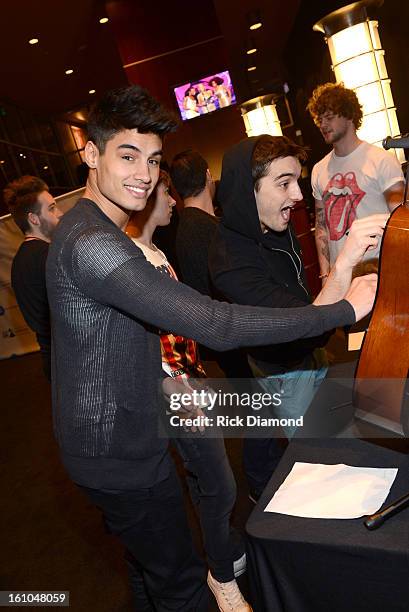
{"x":354,"y":180}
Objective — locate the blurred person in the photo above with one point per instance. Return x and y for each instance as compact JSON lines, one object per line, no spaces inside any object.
{"x":107,"y":303}
{"x":193,"y":182}
{"x":190,"y":103}
{"x":354,"y":180}
{"x":205,"y":98}
{"x":222,"y":93}
{"x":209,"y":475}
{"x":197,"y":227}
{"x":35,"y":212}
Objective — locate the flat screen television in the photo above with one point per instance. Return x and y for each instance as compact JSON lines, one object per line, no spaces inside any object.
{"x":205,"y":95}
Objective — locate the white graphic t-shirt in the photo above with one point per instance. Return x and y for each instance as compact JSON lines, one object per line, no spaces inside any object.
{"x":351,"y":187}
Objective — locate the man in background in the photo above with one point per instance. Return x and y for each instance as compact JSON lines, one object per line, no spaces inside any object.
{"x":35,"y":212}
{"x":192,"y":180}
{"x":354,"y":180}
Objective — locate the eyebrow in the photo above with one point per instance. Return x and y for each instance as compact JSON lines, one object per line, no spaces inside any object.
{"x":283,"y":175}
{"x":134,"y":148}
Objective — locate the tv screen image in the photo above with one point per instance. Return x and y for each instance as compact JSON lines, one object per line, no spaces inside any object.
{"x":205,"y":96}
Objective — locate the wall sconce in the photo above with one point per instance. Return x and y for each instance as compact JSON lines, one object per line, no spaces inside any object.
{"x":260,"y":116}
{"x":358,"y":61}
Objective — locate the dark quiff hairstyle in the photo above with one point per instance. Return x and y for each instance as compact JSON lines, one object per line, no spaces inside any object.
{"x":188,"y":173}
{"x":267,"y":149}
{"x":21,"y":198}
{"x":128,"y":108}
{"x":336,"y":98}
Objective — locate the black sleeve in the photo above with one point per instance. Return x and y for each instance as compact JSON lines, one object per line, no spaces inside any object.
{"x":117,"y":274}
{"x":247,"y":283}
{"x":242,"y":282}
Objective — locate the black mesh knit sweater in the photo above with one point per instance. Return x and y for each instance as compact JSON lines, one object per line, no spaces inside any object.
{"x":106,"y":302}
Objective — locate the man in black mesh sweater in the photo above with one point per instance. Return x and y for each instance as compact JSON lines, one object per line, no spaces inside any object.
{"x":107,"y":302}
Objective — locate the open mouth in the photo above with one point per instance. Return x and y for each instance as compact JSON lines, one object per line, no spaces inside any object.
{"x":286,"y":213}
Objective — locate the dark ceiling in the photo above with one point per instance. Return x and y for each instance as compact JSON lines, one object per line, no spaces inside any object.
{"x":70,"y":36}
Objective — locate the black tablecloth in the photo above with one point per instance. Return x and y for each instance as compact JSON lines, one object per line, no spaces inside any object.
{"x":313,"y":565}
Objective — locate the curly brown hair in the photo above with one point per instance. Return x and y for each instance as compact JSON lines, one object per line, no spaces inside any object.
{"x":336,"y":98}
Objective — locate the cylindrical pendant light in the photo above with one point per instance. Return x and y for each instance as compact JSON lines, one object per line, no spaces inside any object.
{"x":358,"y":61}
{"x":260,"y":116}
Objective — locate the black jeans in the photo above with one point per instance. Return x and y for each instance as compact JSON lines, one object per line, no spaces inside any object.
{"x":165,"y":571}
{"x":213,"y":491}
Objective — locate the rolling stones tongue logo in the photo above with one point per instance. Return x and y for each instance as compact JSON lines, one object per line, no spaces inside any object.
{"x":341,"y":198}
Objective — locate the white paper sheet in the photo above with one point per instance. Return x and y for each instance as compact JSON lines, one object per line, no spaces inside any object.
{"x":315,"y":490}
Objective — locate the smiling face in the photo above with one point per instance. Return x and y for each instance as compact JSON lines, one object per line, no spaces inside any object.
{"x":278,"y":193}
{"x":125,"y":174}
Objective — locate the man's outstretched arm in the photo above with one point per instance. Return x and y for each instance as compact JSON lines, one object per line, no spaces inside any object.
{"x":322,"y":240}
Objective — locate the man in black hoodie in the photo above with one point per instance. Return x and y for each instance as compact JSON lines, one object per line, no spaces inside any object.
{"x":255,"y":259}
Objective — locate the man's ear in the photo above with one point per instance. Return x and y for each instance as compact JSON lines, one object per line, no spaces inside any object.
{"x":34,"y":219}
{"x":91,"y":154}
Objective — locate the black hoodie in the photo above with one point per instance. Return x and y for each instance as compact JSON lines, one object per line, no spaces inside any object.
{"x":250,"y":267}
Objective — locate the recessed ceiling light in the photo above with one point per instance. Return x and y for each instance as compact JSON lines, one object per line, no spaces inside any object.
{"x":103,"y":20}
{"x":254,"y":19}
{"x":69,"y":71}
{"x":251,"y":68}
{"x":91,"y":91}
{"x":33,"y":41}
{"x":250,"y":51}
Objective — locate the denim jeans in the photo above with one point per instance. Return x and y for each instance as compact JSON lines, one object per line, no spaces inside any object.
{"x":213,"y":491}
{"x":297,"y":389}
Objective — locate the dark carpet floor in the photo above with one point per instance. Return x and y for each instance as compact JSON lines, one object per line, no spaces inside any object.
{"x":52,"y":538}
